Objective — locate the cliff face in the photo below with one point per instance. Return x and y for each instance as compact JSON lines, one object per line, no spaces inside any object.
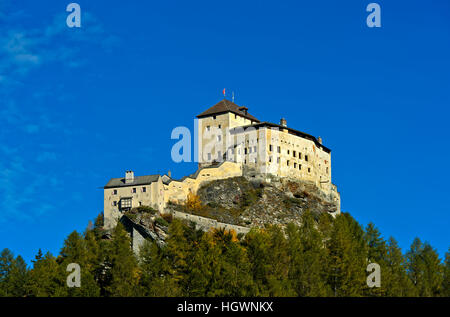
{"x":238,"y":201}
{"x":252,"y":202}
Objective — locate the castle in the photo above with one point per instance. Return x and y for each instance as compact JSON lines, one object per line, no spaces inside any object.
{"x":231,"y":143}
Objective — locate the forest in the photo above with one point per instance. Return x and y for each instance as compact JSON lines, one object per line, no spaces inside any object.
{"x":324,"y":257}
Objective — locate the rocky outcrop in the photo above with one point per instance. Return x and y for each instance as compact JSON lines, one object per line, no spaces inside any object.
{"x":251,"y":202}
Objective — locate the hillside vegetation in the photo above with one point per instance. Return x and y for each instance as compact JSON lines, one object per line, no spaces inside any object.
{"x":322,"y":257}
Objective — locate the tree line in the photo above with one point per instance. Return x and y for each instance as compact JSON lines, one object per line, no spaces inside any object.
{"x":324,"y":256}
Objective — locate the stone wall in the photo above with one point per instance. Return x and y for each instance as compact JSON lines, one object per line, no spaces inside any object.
{"x":206,"y":224}
{"x":177,"y":191}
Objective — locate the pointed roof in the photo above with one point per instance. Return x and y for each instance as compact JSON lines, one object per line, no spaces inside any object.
{"x":225,"y":106}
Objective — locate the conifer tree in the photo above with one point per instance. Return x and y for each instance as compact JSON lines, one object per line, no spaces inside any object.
{"x":377,"y":253}
{"x":230,"y":267}
{"x":6,"y":260}
{"x":47,"y":278}
{"x":17,"y":279}
{"x":347,"y":257}
{"x":308,"y":258}
{"x":425,"y":269}
{"x":124,"y":271}
{"x":446,"y":280}
{"x":267,"y":251}
{"x":178,"y":250}
{"x":157,"y":274}
{"x":394,"y":278}
{"x":77,"y":250}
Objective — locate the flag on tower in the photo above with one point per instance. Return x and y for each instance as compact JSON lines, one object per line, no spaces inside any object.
{"x":223,"y":92}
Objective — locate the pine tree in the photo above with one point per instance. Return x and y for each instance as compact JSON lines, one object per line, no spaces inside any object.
{"x":377,"y":253}
{"x":98,"y":226}
{"x":157,"y":273}
{"x":228,"y":263}
{"x":178,"y":250}
{"x":268,"y":255}
{"x":124,"y":271}
{"x":347,"y":254}
{"x":47,"y":278}
{"x":425,"y":269}
{"x":6,"y":264}
{"x":394,"y":278}
{"x":79,"y":250}
{"x":308,"y":258}
{"x":446,"y":280}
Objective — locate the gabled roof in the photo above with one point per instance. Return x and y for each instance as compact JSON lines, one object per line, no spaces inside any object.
{"x":225,"y":106}
{"x":138,"y":180}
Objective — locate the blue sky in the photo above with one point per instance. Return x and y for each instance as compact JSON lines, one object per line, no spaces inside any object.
{"x":79,"y":106}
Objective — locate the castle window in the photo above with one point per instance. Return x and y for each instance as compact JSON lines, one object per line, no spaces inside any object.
{"x":306,"y":158}
{"x":278,"y":160}
{"x":235,"y":116}
{"x":254,"y":149}
{"x":115,"y":192}
{"x":125,"y":203}
{"x":270,"y":159}
{"x":299,"y":166}
{"x":245,"y":151}
{"x":114,"y":203}
{"x":294,"y":153}
{"x":144,"y":189}
{"x":208,"y":128}
{"x":219,"y":137}
{"x":279,"y":149}
{"x":270,"y":147}
{"x":214,"y":117}
{"x":309,"y":170}
{"x":134,"y":190}
{"x":287,"y":162}
{"x":295,"y":165}
{"x":327,"y":169}
{"x":209,"y":156}
{"x":299,"y":155}
{"x":287,"y":151}
{"x":220,"y":126}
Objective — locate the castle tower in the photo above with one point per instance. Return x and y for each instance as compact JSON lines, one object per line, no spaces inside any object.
{"x":212,"y":126}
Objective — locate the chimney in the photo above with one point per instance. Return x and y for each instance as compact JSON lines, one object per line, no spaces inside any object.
{"x":319,"y":139}
{"x":169,"y":173}
{"x":243,"y":109}
{"x":129,"y":177}
{"x":283,"y":122}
